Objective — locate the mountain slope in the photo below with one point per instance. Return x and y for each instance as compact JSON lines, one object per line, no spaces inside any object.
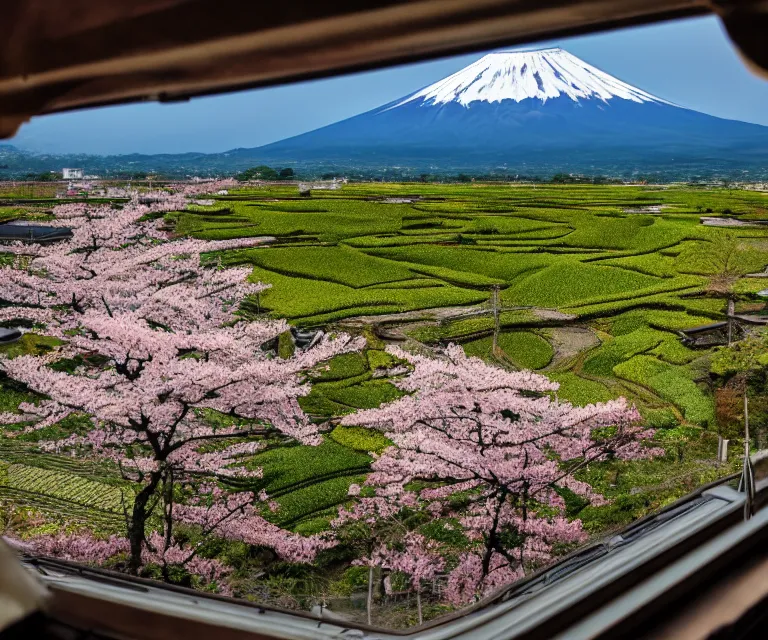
{"x":532,"y":110}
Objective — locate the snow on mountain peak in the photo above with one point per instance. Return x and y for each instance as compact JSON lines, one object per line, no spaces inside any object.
{"x":517,"y":75}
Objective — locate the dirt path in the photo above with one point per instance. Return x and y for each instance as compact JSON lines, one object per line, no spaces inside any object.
{"x":438,"y":314}
{"x":391,"y":326}
{"x":568,"y":342}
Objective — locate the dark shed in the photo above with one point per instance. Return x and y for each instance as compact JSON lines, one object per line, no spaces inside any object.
{"x":33,"y":233}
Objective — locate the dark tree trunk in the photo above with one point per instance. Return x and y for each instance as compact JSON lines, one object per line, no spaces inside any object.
{"x":138,"y":521}
{"x":493,"y":535}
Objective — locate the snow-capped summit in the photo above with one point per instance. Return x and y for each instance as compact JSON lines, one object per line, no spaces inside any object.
{"x":531,"y":112}
{"x":518,"y":75}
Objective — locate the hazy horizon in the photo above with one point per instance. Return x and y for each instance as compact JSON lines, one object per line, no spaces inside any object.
{"x":691,"y":63}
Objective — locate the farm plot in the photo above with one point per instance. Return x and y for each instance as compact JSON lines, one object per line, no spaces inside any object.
{"x":342,"y":265}
{"x":674,"y":384}
{"x":66,"y":486}
{"x":525,"y":349}
{"x":567,"y":283}
{"x":309,"y":301}
{"x":632,"y":262}
{"x":501,"y":267}
{"x":306,"y":481}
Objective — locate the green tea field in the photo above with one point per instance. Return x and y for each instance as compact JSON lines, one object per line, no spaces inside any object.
{"x":592,"y":287}
{"x":595,"y":282}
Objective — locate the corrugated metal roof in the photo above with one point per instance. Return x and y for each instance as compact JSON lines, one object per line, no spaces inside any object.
{"x":9,"y":335}
{"x":33,"y":233}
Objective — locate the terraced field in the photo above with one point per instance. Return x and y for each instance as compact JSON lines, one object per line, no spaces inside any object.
{"x":629,"y":264}
{"x":61,"y":487}
{"x":594,"y":284}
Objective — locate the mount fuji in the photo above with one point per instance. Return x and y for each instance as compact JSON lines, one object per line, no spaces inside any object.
{"x":530,"y":111}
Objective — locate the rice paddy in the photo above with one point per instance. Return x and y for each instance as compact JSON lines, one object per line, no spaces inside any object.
{"x":627,"y":267}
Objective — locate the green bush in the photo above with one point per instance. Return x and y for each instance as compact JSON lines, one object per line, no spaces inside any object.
{"x":360,"y":439}
{"x":285,"y":345}
{"x":445,"y":530}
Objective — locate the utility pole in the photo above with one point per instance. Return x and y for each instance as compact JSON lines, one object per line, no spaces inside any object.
{"x":747,"y":482}
{"x":731,"y":312}
{"x":495,"y":302}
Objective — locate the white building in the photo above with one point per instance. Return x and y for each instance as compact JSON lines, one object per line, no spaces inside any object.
{"x":72,"y":174}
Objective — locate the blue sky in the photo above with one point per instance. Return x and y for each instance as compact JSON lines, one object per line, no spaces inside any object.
{"x":691,"y":63}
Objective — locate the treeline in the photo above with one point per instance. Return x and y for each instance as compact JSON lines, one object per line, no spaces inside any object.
{"x":444,"y":178}
{"x":263,"y":172}
{"x":47,"y":176}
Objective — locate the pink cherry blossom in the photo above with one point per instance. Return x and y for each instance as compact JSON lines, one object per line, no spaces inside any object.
{"x":501,"y":442}
{"x":154,"y":323}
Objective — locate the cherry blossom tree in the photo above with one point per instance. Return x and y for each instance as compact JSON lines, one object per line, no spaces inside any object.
{"x":416,"y":557}
{"x":494,"y":449}
{"x":368,"y":527}
{"x":158,"y":348}
{"x":120,"y":260}
{"x":84,"y":547}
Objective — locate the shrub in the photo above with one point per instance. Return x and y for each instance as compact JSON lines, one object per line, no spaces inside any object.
{"x":360,"y":439}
